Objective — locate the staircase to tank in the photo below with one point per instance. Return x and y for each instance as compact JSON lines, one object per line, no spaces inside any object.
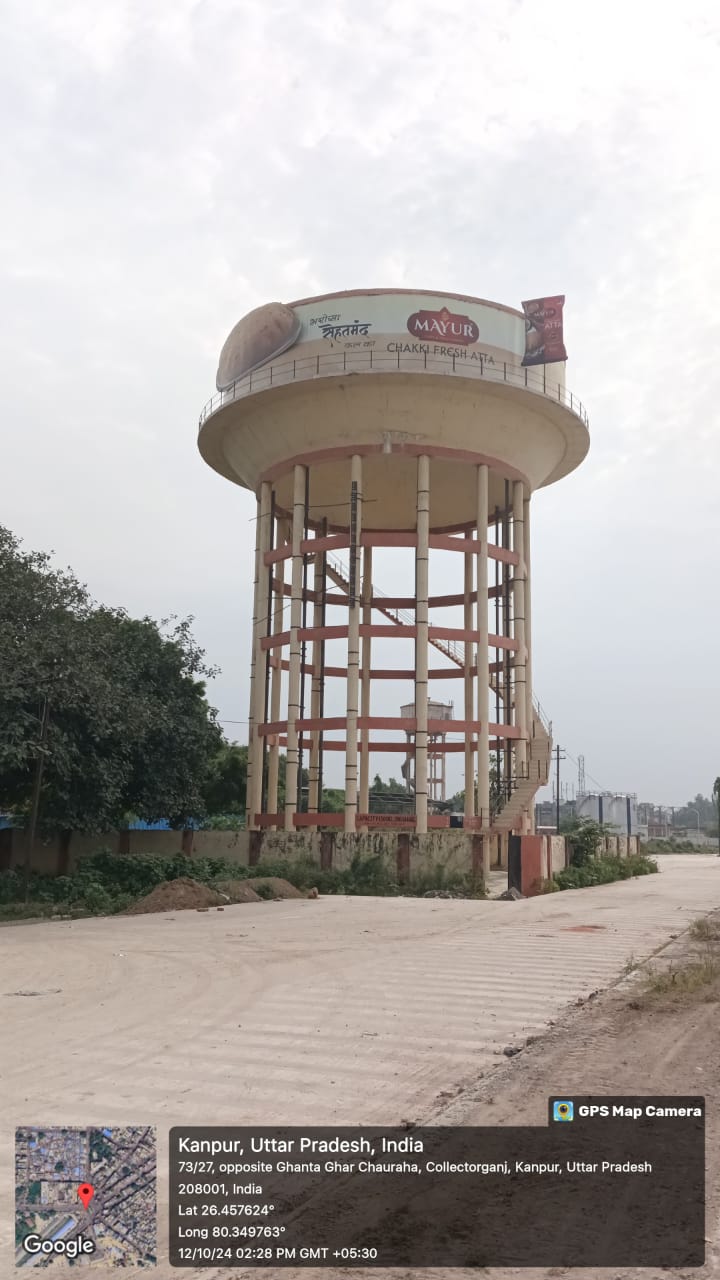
{"x":523,"y":788}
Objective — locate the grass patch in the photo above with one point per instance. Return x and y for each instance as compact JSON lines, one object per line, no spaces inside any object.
{"x":696,"y":973}
{"x":605,"y":870}
{"x":39,"y":911}
{"x":706,"y":929}
{"x":549,"y":886}
{"x":107,"y":883}
{"x":683,"y":979}
{"x":672,"y":845}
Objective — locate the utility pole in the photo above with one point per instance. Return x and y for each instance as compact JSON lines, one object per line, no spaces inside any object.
{"x":35,"y":804}
{"x":559,"y":755}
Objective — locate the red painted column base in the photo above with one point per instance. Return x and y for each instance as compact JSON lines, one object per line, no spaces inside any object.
{"x":532,"y":865}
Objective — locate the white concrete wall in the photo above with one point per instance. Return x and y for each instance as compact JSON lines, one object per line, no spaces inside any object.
{"x":558,"y":853}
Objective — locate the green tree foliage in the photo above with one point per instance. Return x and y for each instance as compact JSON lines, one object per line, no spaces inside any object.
{"x":304,"y":784}
{"x":226,"y":785}
{"x":585,"y":838}
{"x":392,"y":787}
{"x":701,"y":805}
{"x":497,"y":795}
{"x":130,"y":729}
{"x":40,"y":613}
{"x":333,"y":800}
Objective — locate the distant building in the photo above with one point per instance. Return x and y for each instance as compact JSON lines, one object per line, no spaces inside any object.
{"x":546,"y":813}
{"x":615,"y":810}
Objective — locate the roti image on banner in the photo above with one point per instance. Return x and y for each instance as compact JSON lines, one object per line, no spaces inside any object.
{"x":264,"y":333}
{"x":544,"y":330}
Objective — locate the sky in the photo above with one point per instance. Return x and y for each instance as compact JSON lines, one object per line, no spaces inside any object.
{"x":166,"y":167}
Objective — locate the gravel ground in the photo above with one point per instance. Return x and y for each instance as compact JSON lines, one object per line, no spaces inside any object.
{"x":342,"y":1011}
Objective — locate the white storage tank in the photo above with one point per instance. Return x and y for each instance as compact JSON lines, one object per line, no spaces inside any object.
{"x":618,"y":811}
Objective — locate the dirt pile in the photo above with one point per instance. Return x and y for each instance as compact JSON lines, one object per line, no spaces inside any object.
{"x":185,"y":894}
{"x":237,"y":890}
{"x":274,"y":887}
{"x":182,"y":894}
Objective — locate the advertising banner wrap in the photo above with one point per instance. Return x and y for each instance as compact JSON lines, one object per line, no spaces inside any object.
{"x":411,"y":324}
{"x":544,"y":330}
{"x":378,"y":326}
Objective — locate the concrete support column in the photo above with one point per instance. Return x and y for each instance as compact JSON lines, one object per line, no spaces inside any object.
{"x":314,"y":769}
{"x":353,"y":661}
{"x":252,"y":744}
{"x":483,"y":673}
{"x":264,"y":538}
{"x":528,"y":640}
{"x":468,"y":685}
{"x":520,"y":656}
{"x":422,"y":561}
{"x":365,"y":683}
{"x":528,"y":610}
{"x":276,"y":677}
{"x":298,"y":529}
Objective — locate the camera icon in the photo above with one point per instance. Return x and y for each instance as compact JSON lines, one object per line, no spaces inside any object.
{"x":563,"y":1111}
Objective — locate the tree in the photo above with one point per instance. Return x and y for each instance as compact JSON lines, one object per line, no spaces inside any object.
{"x":698,"y":812}
{"x":172,"y":731}
{"x":392,"y":787}
{"x":41,"y":610}
{"x":226,"y":783}
{"x":497,"y":795}
{"x":584,"y":836}
{"x":333,"y":800}
{"x":716,"y":798}
{"x":129,"y":727}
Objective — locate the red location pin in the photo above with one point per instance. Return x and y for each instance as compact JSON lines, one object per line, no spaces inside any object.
{"x":85,"y":1193}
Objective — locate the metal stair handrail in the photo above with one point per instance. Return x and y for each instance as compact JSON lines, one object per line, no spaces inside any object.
{"x":452,"y":649}
{"x":455,"y":650}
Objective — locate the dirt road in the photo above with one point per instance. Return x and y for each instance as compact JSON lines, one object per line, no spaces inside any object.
{"x":343,"y":1011}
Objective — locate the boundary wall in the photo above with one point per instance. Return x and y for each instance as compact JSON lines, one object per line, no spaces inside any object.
{"x":412,"y":855}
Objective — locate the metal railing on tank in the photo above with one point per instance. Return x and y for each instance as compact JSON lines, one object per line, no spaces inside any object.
{"x":332,"y":363}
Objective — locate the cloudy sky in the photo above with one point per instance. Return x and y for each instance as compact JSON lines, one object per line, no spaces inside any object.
{"x":167,"y":166}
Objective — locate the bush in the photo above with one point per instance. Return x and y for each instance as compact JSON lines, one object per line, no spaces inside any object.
{"x":584,"y":836}
{"x":604,"y":871}
{"x":265,"y":891}
{"x":98,"y":901}
{"x":658,"y":845}
{"x":35,"y":910}
{"x":11,"y":889}
{"x":106,"y":882}
{"x":225,"y":822}
{"x":42,"y":889}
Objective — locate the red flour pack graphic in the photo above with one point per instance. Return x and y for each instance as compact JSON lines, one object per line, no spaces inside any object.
{"x":544,"y":330}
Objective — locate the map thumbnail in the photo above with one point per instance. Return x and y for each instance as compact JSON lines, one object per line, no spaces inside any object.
{"x":86,"y":1197}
